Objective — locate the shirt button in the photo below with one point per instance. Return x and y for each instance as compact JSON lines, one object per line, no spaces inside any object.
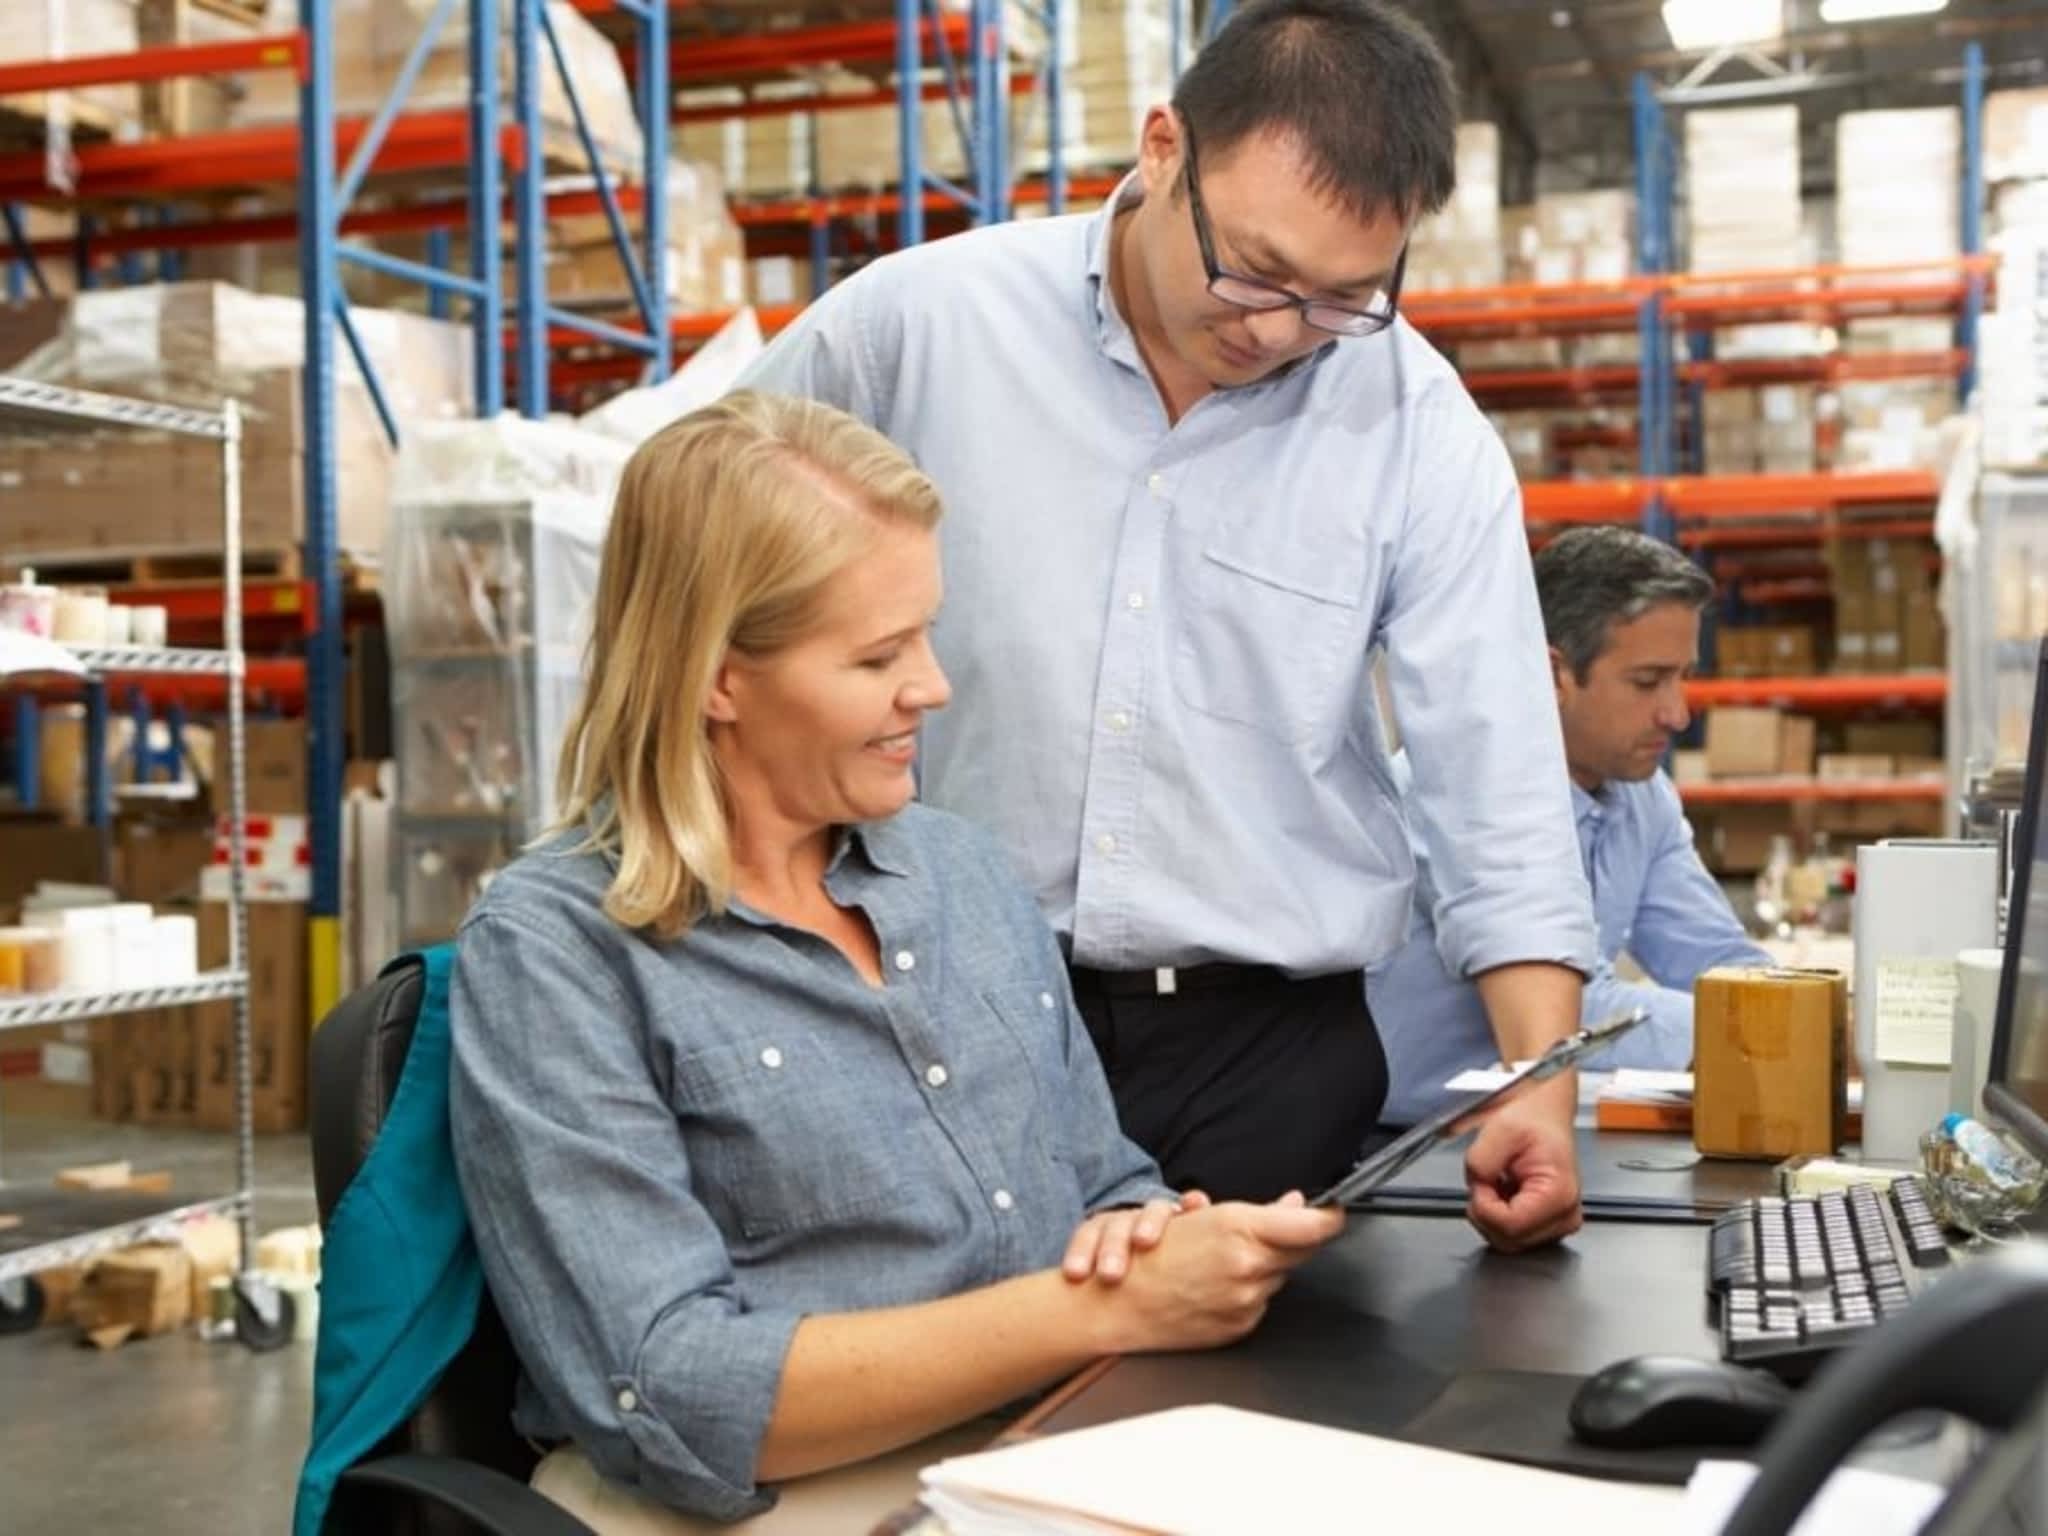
{"x":1155,"y":483}
{"x":1004,"y":1199}
{"x":1045,"y":1000}
{"x":935,"y":1075}
{"x":1119,"y":722}
{"x":1105,"y":844}
{"x":628,"y":1401}
{"x":1135,"y":601}
{"x":905,"y":960}
{"x":771,"y":1058}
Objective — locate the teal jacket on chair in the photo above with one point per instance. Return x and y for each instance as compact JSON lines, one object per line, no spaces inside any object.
{"x":400,"y":1282}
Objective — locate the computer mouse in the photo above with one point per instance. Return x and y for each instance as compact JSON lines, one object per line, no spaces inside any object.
{"x":1658,"y":1400}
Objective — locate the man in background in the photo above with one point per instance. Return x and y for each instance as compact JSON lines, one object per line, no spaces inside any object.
{"x":1622,"y":615}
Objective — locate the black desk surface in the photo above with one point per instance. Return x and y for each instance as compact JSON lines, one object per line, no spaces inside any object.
{"x":1369,"y":1331}
{"x":1622,"y":1167}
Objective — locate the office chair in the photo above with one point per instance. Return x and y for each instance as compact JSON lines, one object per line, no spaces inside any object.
{"x":455,"y":1465}
{"x":1976,"y":1345}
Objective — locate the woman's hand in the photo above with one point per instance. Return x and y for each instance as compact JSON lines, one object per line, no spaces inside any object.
{"x":1101,"y":1246}
{"x":1208,"y":1280}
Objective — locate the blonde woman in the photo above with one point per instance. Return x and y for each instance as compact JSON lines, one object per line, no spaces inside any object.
{"x":782,"y":1139}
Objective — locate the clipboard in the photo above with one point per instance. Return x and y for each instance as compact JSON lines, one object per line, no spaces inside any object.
{"x":1455,"y":1120}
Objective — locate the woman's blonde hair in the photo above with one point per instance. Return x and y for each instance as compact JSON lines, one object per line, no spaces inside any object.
{"x":728,"y":525}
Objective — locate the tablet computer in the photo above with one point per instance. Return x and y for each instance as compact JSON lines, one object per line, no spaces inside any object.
{"x":1454,"y":1120}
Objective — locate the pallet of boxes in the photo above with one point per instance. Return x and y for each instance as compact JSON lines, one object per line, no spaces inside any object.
{"x":108,"y":499}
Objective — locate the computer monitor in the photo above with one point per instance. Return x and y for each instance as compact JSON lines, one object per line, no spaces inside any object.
{"x":2017,"y":1092}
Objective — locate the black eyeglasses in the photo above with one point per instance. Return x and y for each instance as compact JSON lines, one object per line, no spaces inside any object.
{"x":1256,"y":293}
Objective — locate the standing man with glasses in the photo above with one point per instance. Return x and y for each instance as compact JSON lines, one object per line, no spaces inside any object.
{"x":1198,"y":474}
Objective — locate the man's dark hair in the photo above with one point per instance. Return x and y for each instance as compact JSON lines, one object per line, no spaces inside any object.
{"x":1362,"y":88}
{"x":1591,"y":579}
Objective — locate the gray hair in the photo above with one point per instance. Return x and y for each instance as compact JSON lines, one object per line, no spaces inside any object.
{"x":1591,"y":579}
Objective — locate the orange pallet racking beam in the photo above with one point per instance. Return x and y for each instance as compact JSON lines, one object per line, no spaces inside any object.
{"x":1846,"y":691}
{"x":1788,"y":791}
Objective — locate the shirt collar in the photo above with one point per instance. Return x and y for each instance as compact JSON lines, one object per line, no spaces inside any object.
{"x":881,"y":843}
{"x":1588,"y":805}
{"x":1113,"y":332}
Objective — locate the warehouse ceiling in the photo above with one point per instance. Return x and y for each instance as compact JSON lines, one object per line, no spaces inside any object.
{"x":1556,"y":76}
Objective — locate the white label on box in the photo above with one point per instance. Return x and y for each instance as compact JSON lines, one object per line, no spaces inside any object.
{"x":1916,"y":1005}
{"x":67,"y":1063}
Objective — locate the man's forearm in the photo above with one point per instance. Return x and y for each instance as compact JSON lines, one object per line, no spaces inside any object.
{"x":1530,"y":1006}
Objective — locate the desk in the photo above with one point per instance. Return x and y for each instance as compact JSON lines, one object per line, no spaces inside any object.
{"x":1370,"y":1330}
{"x":1666,"y":1169}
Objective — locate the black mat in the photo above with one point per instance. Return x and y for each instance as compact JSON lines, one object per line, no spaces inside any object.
{"x":1520,"y":1416}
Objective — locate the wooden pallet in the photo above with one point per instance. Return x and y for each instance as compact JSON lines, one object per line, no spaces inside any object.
{"x":112,"y":568}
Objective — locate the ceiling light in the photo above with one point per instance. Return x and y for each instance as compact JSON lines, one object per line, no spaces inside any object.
{"x":1699,"y":25}
{"x":1835,"y":12}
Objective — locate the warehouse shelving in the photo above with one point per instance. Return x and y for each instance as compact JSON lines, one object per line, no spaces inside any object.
{"x":516,"y":340}
{"x":54,"y":1227}
{"x":1791,"y":790}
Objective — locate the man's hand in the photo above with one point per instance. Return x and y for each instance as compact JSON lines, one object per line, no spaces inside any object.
{"x":1522,"y":1169}
{"x":1101,"y":1246}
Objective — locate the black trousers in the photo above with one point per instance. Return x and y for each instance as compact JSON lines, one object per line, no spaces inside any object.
{"x":1242,"y":1083}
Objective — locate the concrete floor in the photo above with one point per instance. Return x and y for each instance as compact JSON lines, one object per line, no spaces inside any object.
{"x":172,"y":1436}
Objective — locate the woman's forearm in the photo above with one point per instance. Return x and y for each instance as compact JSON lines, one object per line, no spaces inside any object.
{"x":856,"y":1384}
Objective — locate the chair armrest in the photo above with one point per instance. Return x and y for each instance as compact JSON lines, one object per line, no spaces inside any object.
{"x":497,"y":1503}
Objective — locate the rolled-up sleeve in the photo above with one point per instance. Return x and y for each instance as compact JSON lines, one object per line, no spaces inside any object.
{"x":1470,"y":675}
{"x":614,"y":1283}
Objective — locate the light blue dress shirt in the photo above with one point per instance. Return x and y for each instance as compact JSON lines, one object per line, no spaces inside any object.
{"x":1160,"y":634}
{"x":1652,"y":898}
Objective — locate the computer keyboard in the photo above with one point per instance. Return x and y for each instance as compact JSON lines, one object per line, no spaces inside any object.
{"x":1795,"y":1280}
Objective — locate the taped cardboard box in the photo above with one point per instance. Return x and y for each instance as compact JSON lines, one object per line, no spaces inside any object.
{"x":1770,"y":1073}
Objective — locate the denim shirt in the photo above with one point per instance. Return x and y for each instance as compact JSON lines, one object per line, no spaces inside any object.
{"x":673,"y":1151}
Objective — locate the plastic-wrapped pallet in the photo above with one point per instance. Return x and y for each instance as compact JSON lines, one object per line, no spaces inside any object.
{"x":1460,"y":246}
{"x":1742,"y":188}
{"x":491,"y":568}
{"x":2012,"y":354}
{"x":1898,"y":186}
{"x":1526,"y":435}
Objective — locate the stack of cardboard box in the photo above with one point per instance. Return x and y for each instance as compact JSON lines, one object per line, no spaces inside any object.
{"x":1887,"y":615}
{"x":1896,"y":178}
{"x":90,"y":494}
{"x":1742,"y":189}
{"x":1768,"y":650}
{"x":1460,"y":246}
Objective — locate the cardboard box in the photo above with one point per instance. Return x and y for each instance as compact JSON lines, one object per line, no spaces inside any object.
{"x":276,"y":767}
{"x":1893,"y":738}
{"x":1744,"y":742}
{"x":142,"y":1291}
{"x":278,"y":1027}
{"x":1923,"y":638}
{"x":1770,"y":1076}
{"x":34,"y":847}
{"x":1689,"y":766}
{"x":159,"y":861}
{"x":1737,"y":839}
{"x":1797,"y":737}
{"x":1852,"y":767}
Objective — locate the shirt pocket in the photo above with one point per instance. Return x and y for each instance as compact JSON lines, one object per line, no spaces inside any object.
{"x":1267,"y":630}
{"x":1034,"y":1036}
{"x":784,"y":1140}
